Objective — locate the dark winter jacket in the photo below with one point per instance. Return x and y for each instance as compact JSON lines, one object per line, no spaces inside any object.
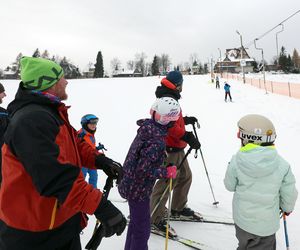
{"x":174,"y":142}
{"x":144,"y":161}
{"x":43,"y":194}
{"x":3,"y":125}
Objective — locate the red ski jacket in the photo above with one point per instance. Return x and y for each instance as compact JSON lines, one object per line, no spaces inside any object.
{"x":43,"y":193}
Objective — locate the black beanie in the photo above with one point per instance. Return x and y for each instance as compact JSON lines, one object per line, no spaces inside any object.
{"x":1,"y":88}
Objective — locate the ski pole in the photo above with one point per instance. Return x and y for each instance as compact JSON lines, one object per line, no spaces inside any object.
{"x":99,"y":233}
{"x":169,"y":213}
{"x":212,"y":191}
{"x":287,"y":244}
{"x":167,"y":187}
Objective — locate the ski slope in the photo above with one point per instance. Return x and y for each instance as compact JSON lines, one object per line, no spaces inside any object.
{"x":119,"y":102}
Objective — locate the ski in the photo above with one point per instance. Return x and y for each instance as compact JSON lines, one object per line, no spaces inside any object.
{"x":204,"y":219}
{"x":187,"y":242}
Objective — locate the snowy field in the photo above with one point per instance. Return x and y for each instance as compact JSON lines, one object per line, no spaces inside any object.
{"x":119,"y":102}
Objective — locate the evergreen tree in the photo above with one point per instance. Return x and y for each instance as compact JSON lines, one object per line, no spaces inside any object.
{"x":296,"y":59}
{"x":200,"y":70}
{"x":205,"y":68}
{"x":155,"y":66}
{"x":36,"y":53}
{"x":283,"y":59}
{"x":99,"y":69}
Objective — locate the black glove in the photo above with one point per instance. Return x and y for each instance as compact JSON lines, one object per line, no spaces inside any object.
{"x":191,"y":140}
{"x":190,"y":120}
{"x":112,"y":219}
{"x":111,"y":168}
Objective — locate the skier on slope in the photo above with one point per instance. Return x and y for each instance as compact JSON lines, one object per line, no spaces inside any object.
{"x":227,"y":91}
{"x":87,"y":133}
{"x":43,"y":195}
{"x":177,"y":139}
{"x":262,"y":182}
{"x":143,"y":165}
{"x":217,"y":82}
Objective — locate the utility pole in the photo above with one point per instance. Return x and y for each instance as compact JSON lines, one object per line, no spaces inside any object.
{"x":242,"y":62}
{"x":282,"y":28}
{"x":263,"y":62}
{"x":211,"y":70}
{"x":220,"y":62}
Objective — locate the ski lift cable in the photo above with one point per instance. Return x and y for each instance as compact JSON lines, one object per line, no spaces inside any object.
{"x":289,"y":17}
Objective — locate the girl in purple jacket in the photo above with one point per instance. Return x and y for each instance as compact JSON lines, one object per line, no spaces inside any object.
{"x":143,"y":165}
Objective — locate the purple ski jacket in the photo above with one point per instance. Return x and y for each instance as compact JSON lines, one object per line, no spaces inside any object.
{"x":144,"y":161}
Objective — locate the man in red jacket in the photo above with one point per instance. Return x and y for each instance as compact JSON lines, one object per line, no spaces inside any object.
{"x":43,"y":195}
{"x":176,"y":141}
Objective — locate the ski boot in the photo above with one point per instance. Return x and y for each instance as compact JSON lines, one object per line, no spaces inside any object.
{"x":161,"y":227}
{"x":186,"y":214}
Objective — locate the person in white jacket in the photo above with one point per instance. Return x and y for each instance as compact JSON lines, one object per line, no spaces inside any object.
{"x":262,"y":182}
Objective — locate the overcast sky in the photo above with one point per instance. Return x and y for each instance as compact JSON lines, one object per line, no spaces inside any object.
{"x":78,"y":29}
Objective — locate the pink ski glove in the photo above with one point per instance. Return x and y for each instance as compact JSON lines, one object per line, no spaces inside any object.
{"x":171,"y":171}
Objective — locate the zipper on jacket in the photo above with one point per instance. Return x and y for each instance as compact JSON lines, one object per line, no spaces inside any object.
{"x":53,"y":215}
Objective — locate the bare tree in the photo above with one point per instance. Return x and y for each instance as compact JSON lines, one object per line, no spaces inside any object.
{"x":45,"y":54}
{"x":130,"y":65}
{"x":194,"y":59}
{"x":140,"y":62}
{"x":165,"y":61}
{"x":115,"y":65}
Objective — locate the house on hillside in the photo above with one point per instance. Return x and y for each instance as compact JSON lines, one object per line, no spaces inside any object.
{"x":89,"y":73}
{"x":128,"y":73}
{"x":11,"y":73}
{"x":234,"y":60}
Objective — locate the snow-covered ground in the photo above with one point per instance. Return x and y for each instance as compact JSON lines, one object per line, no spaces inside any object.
{"x":119,"y":102}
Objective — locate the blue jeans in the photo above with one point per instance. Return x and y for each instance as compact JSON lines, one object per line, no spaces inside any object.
{"x":93,"y":175}
{"x":138,"y":231}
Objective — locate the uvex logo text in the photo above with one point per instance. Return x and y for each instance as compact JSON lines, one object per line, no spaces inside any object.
{"x":252,"y":137}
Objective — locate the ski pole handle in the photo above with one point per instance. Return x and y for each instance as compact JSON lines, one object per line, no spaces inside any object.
{"x":195,"y":132}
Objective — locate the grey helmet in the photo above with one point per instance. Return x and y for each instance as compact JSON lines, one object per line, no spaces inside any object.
{"x":256,"y":129}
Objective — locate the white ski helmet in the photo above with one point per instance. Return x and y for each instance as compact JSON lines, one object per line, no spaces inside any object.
{"x":165,"y":110}
{"x":256,"y":129}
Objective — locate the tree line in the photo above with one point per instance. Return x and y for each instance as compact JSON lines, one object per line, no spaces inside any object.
{"x":159,"y":65}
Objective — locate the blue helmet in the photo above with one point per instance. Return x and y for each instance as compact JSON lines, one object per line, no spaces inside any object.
{"x":89,"y":118}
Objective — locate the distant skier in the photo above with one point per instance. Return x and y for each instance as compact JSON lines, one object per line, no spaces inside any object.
{"x":262,"y":182}
{"x":217,"y":82}
{"x":87,"y":133}
{"x":143,"y":165}
{"x":227,"y":91}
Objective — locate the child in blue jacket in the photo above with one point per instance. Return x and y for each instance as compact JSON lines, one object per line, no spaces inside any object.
{"x":262,"y":182}
{"x":143,"y":165}
{"x":227,"y":91}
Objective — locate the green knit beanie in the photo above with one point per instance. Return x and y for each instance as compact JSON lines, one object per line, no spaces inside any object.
{"x":39,"y":73}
